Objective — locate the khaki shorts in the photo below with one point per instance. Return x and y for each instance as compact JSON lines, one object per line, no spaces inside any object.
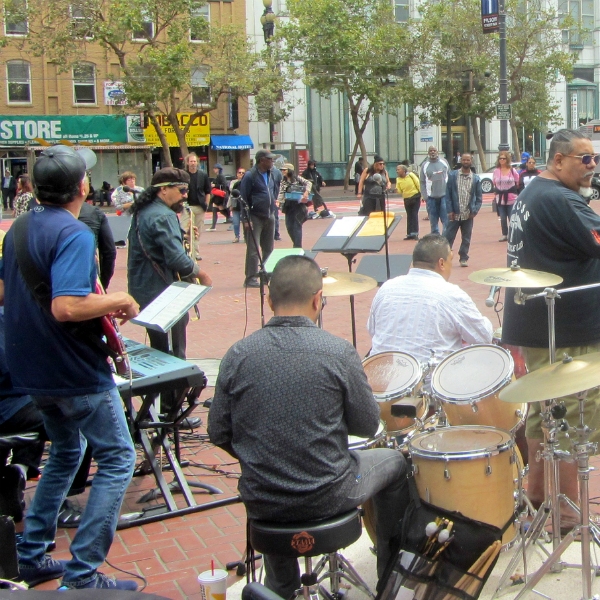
{"x":536,"y":358}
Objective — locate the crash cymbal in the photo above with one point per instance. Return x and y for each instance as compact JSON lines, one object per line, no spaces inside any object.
{"x":515,"y":278}
{"x":556,"y":380}
{"x":346,"y":284}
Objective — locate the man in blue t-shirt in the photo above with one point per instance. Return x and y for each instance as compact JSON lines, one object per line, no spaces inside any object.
{"x":72,"y":383}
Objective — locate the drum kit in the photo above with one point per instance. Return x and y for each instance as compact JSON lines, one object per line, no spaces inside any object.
{"x":457,"y":419}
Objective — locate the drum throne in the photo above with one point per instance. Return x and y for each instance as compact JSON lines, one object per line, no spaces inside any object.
{"x":308,"y":540}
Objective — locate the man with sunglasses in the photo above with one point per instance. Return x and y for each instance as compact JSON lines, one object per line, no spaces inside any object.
{"x":552,"y":229}
{"x":156,"y":256}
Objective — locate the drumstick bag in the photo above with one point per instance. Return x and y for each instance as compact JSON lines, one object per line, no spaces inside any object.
{"x":412,"y":567}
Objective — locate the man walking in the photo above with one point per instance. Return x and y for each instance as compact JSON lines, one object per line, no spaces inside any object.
{"x":434,"y":176}
{"x":196,"y":199}
{"x":72,"y":383}
{"x":9,"y":190}
{"x":463,"y":203}
{"x":259,"y":189}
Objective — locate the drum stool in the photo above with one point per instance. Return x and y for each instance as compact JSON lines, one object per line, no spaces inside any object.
{"x":310,"y":539}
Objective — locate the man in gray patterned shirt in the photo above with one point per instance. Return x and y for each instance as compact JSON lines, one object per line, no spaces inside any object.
{"x":288,"y":423}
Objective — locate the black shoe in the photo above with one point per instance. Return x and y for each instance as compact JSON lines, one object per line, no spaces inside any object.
{"x":187,"y":423}
{"x":277,"y":238}
{"x":12,"y":492}
{"x":253,"y":283}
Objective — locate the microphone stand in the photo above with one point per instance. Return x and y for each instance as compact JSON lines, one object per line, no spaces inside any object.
{"x":386,"y":231}
{"x":262,"y":273}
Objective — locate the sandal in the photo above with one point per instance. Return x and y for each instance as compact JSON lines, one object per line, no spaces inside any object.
{"x":69,"y":515}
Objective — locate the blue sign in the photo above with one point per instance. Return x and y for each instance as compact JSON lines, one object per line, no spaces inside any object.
{"x":489,"y":16}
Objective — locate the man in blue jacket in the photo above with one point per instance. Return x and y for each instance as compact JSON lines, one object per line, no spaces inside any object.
{"x":259,"y":189}
{"x":463,"y":203}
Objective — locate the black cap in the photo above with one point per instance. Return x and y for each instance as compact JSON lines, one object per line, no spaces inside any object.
{"x":169,"y":176}
{"x":263,"y":154}
{"x":59,"y":168}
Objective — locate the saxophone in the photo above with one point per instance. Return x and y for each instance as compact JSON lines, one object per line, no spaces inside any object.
{"x":189,"y":245}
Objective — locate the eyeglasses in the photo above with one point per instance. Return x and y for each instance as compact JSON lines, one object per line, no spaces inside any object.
{"x":502,"y":158}
{"x":586,"y":159}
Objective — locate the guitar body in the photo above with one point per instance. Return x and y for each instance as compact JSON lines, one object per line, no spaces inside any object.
{"x":114,"y":339}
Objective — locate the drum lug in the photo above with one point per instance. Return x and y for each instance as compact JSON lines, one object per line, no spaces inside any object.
{"x":519,"y":413}
{"x":474,"y":407}
{"x":415,"y":470}
{"x":488,"y":468}
{"x":447,"y":473}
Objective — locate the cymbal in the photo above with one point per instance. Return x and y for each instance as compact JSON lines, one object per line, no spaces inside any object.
{"x":515,"y":278}
{"x":556,"y":380}
{"x":346,"y":284}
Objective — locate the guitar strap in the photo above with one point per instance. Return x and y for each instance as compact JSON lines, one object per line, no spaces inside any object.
{"x":41,"y":289}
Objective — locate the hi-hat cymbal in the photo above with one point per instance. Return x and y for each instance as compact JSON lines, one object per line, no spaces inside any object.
{"x":556,"y":380}
{"x":346,"y":284}
{"x":515,"y":278}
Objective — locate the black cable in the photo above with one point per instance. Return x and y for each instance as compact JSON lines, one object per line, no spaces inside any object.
{"x":144,"y":580}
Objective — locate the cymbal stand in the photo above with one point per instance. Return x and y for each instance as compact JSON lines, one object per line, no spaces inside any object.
{"x":582,"y":448}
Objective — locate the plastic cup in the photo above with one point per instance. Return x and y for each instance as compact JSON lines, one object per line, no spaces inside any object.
{"x":213,"y":585}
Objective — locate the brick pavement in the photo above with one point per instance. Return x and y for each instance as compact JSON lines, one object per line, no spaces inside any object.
{"x":171,"y":553}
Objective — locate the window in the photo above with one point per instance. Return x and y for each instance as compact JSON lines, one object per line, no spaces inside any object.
{"x":582,"y":12}
{"x":146,"y":30}
{"x":401,"y":11}
{"x":80,"y":23}
{"x":200,"y":89}
{"x":18,"y":76}
{"x":84,"y":83}
{"x":15,"y":18}
{"x":199,"y":20}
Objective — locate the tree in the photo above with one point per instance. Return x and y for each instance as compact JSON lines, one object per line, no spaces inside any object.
{"x":178,"y":63}
{"x":353,"y":47}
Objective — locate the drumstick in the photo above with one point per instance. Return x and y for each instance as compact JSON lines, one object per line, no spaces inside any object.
{"x":474,"y":584}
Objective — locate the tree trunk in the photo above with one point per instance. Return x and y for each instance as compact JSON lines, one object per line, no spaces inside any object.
{"x":358,"y":132}
{"x":477,"y":137}
{"x":163,"y":140}
{"x":515,"y":135}
{"x":349,"y":166}
{"x":179,"y":132}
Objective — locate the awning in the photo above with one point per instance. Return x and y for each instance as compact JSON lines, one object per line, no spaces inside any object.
{"x":231,"y":142}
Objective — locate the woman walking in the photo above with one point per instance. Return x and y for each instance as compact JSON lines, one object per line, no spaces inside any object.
{"x":506,"y":181}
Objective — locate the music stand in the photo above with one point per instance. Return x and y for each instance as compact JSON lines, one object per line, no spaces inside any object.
{"x":350,"y":239}
{"x":375,"y":266}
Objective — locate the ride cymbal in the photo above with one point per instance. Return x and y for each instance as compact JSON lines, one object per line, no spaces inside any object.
{"x":562,"y":378}
{"x":346,"y":284}
{"x":515,"y":278}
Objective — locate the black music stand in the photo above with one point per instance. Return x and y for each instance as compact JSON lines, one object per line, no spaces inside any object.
{"x":162,"y":314}
{"x":351,"y":245}
{"x":374,"y":265}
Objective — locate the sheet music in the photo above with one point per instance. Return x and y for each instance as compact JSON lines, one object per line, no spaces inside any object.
{"x":170,"y":306}
{"x":374,"y":224}
{"x":345,"y":226}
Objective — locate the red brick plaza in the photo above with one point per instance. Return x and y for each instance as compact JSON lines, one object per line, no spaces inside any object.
{"x":171,"y":553}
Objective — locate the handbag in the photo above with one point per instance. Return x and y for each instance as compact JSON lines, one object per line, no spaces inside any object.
{"x":218,"y":192}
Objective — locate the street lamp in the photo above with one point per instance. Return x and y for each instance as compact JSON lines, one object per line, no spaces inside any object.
{"x":268,"y":21}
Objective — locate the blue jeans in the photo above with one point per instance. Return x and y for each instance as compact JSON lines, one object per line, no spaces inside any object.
{"x":69,"y":422}
{"x":381,"y":476}
{"x":235,"y":218}
{"x":436,"y":208}
{"x":504,"y":211}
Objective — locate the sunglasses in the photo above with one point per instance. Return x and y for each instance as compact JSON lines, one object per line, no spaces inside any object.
{"x":586,"y":159}
{"x":183,"y":188}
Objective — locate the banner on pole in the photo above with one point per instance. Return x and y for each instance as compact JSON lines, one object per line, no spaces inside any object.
{"x":489,"y":16}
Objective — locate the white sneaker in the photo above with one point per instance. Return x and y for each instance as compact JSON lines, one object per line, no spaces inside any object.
{"x":331,"y":215}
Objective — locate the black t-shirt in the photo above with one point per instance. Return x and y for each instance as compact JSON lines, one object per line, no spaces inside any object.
{"x":552,"y":229}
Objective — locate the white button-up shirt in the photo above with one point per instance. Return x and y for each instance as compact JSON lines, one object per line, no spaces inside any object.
{"x":420,"y":312}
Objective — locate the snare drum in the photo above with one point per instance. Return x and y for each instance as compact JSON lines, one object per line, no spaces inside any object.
{"x":470,"y":470}
{"x":358,"y":443}
{"x":468,"y":383}
{"x":395,"y":375}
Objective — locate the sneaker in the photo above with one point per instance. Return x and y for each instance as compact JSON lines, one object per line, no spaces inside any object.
{"x":331,"y":215}
{"x":277,"y":238}
{"x":103,"y":582}
{"x":69,"y":515}
{"x":211,"y":229}
{"x":315,"y":216}
{"x":12,"y":492}
{"x":253,"y":283}
{"x":47,"y":570}
{"x":198,"y":257}
{"x":236,"y":240}
{"x":503,"y":239}
{"x":311,"y":214}
{"x":463,"y":263}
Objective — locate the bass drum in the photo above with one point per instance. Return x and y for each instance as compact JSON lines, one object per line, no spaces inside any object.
{"x":379,"y":440}
{"x":468,"y":382}
{"x":392,"y":376}
{"x":470,"y":470}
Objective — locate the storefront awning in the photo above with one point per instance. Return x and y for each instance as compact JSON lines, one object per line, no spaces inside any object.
{"x":231,"y":142}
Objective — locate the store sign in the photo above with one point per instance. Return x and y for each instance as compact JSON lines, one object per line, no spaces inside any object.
{"x":114,"y":94}
{"x":197,"y":135}
{"x":46,"y":130}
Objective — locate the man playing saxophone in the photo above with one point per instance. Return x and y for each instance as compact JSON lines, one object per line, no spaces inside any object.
{"x":157,"y":256}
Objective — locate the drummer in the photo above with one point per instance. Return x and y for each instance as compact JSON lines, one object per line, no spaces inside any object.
{"x":288,"y":424}
{"x":552,"y":229}
{"x":422,"y":311}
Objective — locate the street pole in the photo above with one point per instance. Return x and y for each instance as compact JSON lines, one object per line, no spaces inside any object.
{"x":267,"y":21}
{"x":503,"y":79}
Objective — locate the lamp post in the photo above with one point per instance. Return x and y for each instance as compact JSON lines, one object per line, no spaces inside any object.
{"x":267,"y":20}
{"x":503,"y":75}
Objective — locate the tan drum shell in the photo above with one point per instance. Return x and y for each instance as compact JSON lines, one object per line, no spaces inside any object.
{"x":470,"y":470}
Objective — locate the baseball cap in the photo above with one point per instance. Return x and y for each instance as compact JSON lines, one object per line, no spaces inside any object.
{"x":59,"y":168}
{"x":263,"y":154}
{"x":169,"y":176}
{"x":288,"y":166}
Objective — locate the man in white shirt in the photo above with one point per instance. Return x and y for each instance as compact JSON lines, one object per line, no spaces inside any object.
{"x":422,"y":311}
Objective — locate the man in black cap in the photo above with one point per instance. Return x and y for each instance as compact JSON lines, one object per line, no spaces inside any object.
{"x":72,"y":383}
{"x":157,"y":257}
{"x":259,"y":189}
